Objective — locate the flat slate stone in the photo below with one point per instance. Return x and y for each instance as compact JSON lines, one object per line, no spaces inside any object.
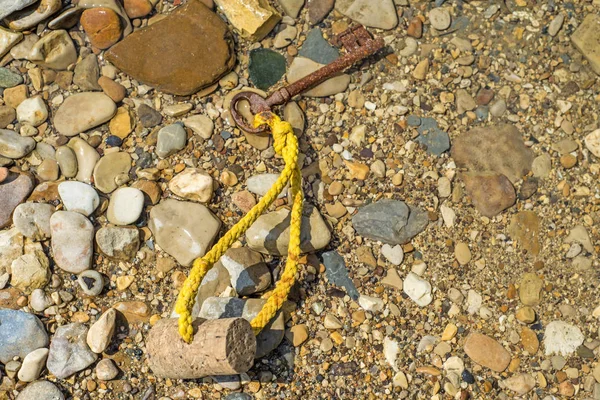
{"x":587,"y":40}
{"x":337,"y":273}
{"x":266,"y":68}
{"x":9,"y":78}
{"x":20,"y":334}
{"x":317,"y":48}
{"x":180,"y":54}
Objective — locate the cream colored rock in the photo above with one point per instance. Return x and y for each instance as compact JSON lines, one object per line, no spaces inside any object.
{"x":183,"y":229}
{"x":55,"y":50}
{"x":108,"y":168}
{"x":270,"y":234}
{"x":253,"y":18}
{"x":592,"y":142}
{"x":8,"y":40}
{"x":371,"y":13}
{"x":301,"y":67}
{"x":87,"y":157}
{"x":101,"y":331}
{"x":586,"y":39}
{"x":83,"y":111}
{"x":29,"y":18}
{"x":193,"y":184}
{"x":32,"y":111}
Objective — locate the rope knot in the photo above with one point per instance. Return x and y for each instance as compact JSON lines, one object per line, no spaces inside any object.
{"x":281,"y":130}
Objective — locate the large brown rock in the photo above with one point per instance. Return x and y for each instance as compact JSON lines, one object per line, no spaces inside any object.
{"x":498,"y":149}
{"x":490,"y":193}
{"x":180,"y":54}
{"x":487,"y":352}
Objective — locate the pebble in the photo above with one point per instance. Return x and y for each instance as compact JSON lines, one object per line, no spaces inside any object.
{"x":30,"y":271}
{"x":33,"y":364}
{"x":193,"y":184}
{"x":415,"y":28}
{"x":369,"y":303}
{"x":112,"y":89}
{"x":297,"y":334}
{"x":101,"y":332}
{"x":530,"y":289}
{"x":562,"y":338}
{"x":418,"y":289}
{"x":487,"y":352}
{"x":102,"y":26}
{"x":118,"y":243}
{"x":69,"y":352}
{"x":33,"y":220}
{"x":67,"y":161}
{"x":63,"y":52}
{"x":83,"y":111}
{"x":394,"y":254}
{"x":13,"y":191}
{"x":8,"y":78}
{"x":370,"y":13}
{"x":490,"y":193}
{"x":8,"y":7}
{"x":285,"y":37}
{"x":421,"y":70}
{"x":529,"y":340}
{"x":337,"y":273}
{"x":230,"y":307}
{"x":72,"y":241}
{"x":521,"y":383}
{"x":78,"y":197}
{"x":194,"y":226}
{"x":39,"y":300}
{"x":247,"y":270}
{"x":40,"y":390}
{"x":106,"y":370}
{"x":592,"y":142}
{"x":91,"y":282}
{"x":86,"y":73}
{"x":32,"y":111}
{"x":148,"y":116}
{"x":125,"y":206}
{"x":525,"y":314}
{"x":270,"y":234}
{"x":13,"y":145}
{"x":122,"y":123}
{"x":20,"y":334}
{"x":462,"y":253}
{"x":389,"y":221}
{"x":201,"y":125}
{"x":11,"y":248}
{"x":109,"y":169}
{"x":171,"y":139}
{"x":440,"y":18}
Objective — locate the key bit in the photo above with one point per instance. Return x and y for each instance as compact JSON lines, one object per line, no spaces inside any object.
{"x":358,"y":43}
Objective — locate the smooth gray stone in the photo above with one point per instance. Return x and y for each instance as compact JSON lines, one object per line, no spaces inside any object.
{"x":69,"y":352}
{"x":20,"y":334}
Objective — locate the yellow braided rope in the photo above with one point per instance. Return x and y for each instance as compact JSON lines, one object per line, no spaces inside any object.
{"x":285,"y":144}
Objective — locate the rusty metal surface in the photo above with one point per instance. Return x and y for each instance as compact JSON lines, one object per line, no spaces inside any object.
{"x":358,"y":43}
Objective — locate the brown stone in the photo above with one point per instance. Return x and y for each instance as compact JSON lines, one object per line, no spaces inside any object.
{"x":3,"y":174}
{"x":15,"y":95}
{"x":498,"y":149}
{"x":133,"y":311}
{"x":415,"y":28}
{"x":487,"y":352}
{"x":137,"y":8}
{"x":152,"y":190}
{"x":489,"y":192}
{"x":525,"y":229}
{"x":45,"y":192}
{"x":13,"y":191}
{"x":9,"y":298}
{"x":167,"y":65}
{"x":318,"y":10}
{"x":112,"y":89}
{"x":7,"y":116}
{"x":529,"y":339}
{"x":102,"y":25}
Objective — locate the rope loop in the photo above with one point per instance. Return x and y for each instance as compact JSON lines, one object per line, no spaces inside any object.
{"x":285,"y":144}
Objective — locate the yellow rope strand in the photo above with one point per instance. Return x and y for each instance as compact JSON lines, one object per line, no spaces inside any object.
{"x":285,"y":144}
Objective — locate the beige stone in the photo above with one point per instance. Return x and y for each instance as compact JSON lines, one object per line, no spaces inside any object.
{"x":253,"y":18}
{"x":55,"y":51}
{"x":587,"y":40}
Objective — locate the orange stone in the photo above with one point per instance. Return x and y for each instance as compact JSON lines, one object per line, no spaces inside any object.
{"x":137,"y":8}
{"x":487,"y":352}
{"x":102,"y":25}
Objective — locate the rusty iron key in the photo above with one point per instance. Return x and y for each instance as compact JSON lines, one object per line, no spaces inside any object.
{"x":359,"y":45}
